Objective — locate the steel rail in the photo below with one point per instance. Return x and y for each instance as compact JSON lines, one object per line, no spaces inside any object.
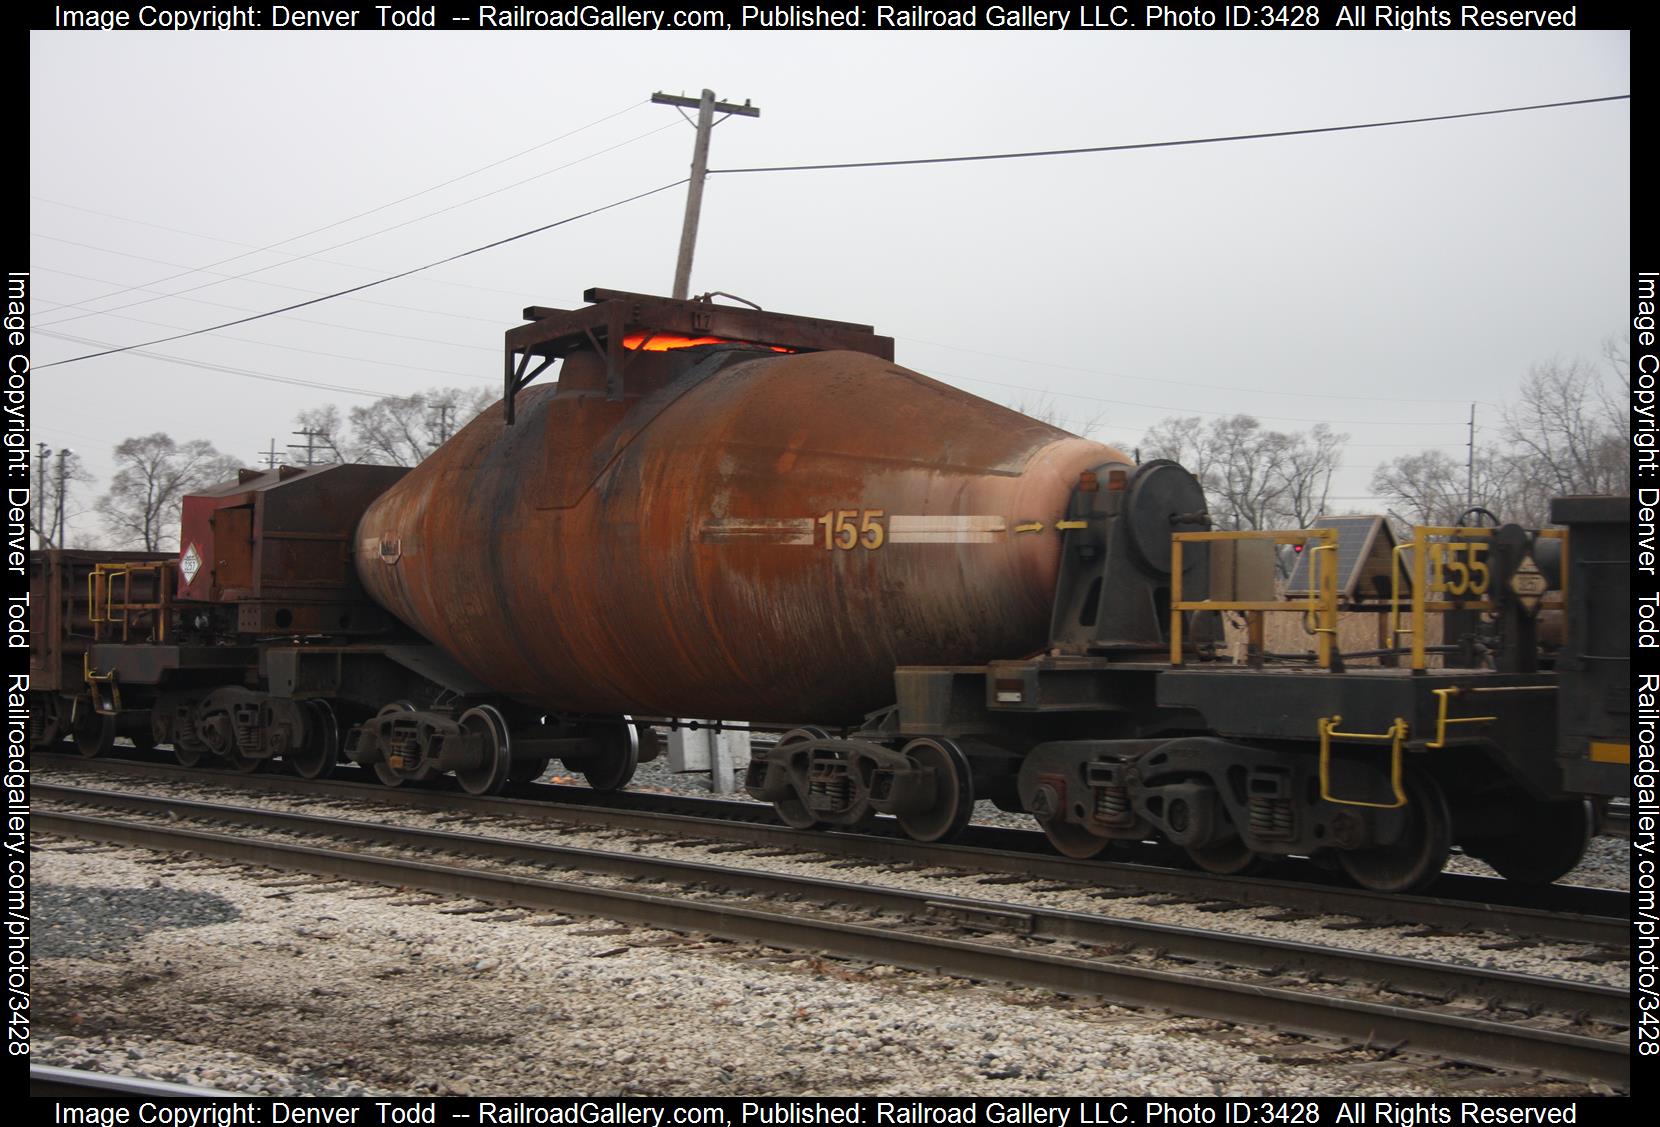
{"x":1443,"y":981}
{"x":1572,"y":914}
{"x":1462,"y":1037}
{"x":46,"y":1080}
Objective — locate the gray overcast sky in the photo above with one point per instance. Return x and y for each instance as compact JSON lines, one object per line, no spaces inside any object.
{"x":1378,"y":280}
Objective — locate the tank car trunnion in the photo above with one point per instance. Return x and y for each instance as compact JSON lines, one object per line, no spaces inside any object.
{"x":1378,"y":770}
{"x":721,"y":511}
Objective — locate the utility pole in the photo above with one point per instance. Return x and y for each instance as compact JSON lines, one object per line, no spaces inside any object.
{"x":706,"y":107}
{"x":311,"y":437}
{"x":40,"y":521}
{"x":63,"y":478}
{"x":270,"y":456}
{"x":1470,"y":465}
{"x":443,"y":410}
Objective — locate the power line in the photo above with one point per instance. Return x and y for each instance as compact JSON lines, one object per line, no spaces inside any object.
{"x":248,"y":373}
{"x":362,"y":214}
{"x":492,"y":321}
{"x":143,"y":287}
{"x":496,"y":350}
{"x":368,"y":285}
{"x":356,"y":239}
{"x":1172,"y":144}
{"x":1179,"y":410}
{"x":320,"y":352}
{"x":1181,"y":383}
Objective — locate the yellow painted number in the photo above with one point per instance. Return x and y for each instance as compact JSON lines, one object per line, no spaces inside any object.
{"x":849,"y":528}
{"x":1468,"y":576}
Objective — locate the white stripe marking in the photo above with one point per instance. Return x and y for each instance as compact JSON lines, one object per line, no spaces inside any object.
{"x":944,"y":537}
{"x":764,"y":530}
{"x":898,"y":523}
{"x":900,"y":529}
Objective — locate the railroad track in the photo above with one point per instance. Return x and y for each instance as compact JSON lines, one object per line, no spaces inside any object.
{"x":1501,"y":1019}
{"x":44,"y":1080}
{"x":1460,"y":903}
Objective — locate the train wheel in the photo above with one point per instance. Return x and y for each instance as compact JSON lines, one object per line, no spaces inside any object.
{"x":793,"y":812}
{"x":490,"y":775}
{"x":1417,"y":857}
{"x":1550,"y":847}
{"x":953,"y":791}
{"x":1228,"y":858}
{"x":614,"y":767}
{"x":247,"y":764}
{"x":526,"y":770}
{"x":187,"y":756}
{"x":1071,"y":840}
{"x":94,"y":732}
{"x":320,"y":753}
{"x":384,"y":770}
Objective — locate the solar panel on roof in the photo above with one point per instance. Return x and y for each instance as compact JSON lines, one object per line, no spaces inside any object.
{"x":1364,"y":545}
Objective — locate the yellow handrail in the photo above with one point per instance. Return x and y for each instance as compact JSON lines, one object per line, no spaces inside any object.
{"x":1320,"y":606}
{"x":105,"y":609}
{"x":1396,"y":735}
{"x":1443,"y":700}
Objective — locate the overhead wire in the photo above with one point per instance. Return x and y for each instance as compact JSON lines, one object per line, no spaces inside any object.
{"x":377,"y":282}
{"x":1180,"y":383}
{"x":495,"y":321}
{"x":363,"y":237}
{"x":384,"y":206}
{"x":300,"y":320}
{"x":249,"y":373}
{"x":319,"y":352}
{"x":1217,"y":140}
{"x":144,"y":287}
{"x":857,"y":164}
{"x":935,"y":373}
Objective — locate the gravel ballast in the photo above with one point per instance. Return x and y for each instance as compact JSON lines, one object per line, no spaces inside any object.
{"x":226,"y":976}
{"x":244,"y":979}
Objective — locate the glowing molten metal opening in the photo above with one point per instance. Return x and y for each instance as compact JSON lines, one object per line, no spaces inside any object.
{"x":663,"y":342}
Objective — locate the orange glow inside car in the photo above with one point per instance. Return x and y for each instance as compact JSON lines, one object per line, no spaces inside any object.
{"x":665,"y":342}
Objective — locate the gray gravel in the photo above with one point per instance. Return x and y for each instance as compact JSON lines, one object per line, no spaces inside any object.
{"x":90,"y":920}
{"x":205,"y":971}
{"x":328,"y":987}
{"x":1562,"y":960}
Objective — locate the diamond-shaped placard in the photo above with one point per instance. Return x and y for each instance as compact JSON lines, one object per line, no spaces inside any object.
{"x":190,"y":563}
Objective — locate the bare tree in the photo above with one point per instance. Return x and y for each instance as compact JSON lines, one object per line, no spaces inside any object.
{"x":153,"y":474}
{"x":1563,"y":436}
{"x":401,"y":431}
{"x":1045,"y":410}
{"x":327,"y":431}
{"x":1181,"y":440}
{"x":1432,"y":487}
{"x":1306,"y":471}
{"x":57,"y":483}
{"x":1253,"y":477}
